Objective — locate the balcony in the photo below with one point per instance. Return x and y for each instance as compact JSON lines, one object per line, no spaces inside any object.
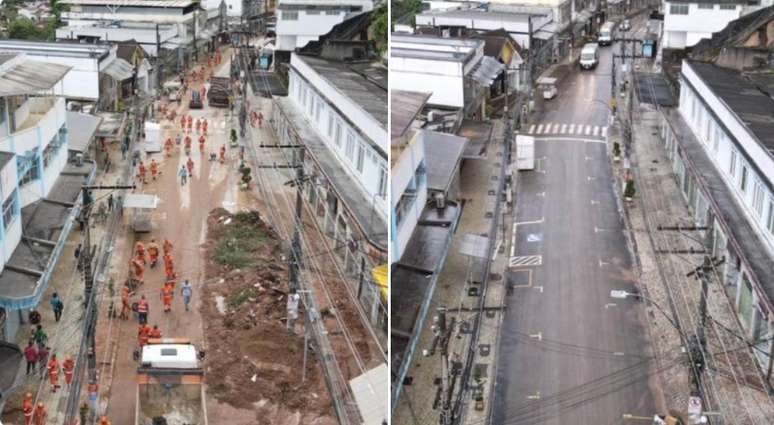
{"x":38,"y":122}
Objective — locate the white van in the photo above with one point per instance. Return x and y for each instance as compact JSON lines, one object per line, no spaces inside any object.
{"x":589,"y":57}
{"x":606,"y":34}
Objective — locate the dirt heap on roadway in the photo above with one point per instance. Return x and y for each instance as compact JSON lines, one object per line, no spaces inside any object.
{"x":253,"y":361}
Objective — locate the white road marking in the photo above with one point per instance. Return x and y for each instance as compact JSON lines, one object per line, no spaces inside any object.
{"x":603,"y":263}
{"x":588,"y":130}
{"x":525,"y":261}
{"x":497,"y":249}
{"x":536,"y":396}
{"x":604,"y":131}
{"x":539,"y":129}
{"x":596,"y":130}
{"x":568,"y":139}
{"x":572,"y":129}
{"x":608,"y":305}
{"x":564,"y":129}
{"x":538,"y":336}
{"x":531,"y":129}
{"x":593,"y":202}
{"x":539,"y":288}
{"x":521,"y":223}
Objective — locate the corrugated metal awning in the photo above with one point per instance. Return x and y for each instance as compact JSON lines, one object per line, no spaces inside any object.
{"x":371,"y":393}
{"x":119,"y":69}
{"x":487,"y":70}
{"x":81,"y":128}
{"x":24,"y":76}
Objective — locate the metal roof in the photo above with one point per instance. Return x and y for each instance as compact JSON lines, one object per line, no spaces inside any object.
{"x":139,"y":200}
{"x":19,"y":75}
{"x":137,"y":3}
{"x":444,"y":153}
{"x":406,"y":105}
{"x":371,"y":394}
{"x":753,"y":108}
{"x":364,"y":85}
{"x":81,"y":128}
{"x":480,"y":14}
{"x":487,"y":70}
{"x":38,"y":48}
{"x":119,"y":69}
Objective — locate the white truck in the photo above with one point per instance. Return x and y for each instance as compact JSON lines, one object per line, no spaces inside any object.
{"x":589,"y":57}
{"x":170,"y":384}
{"x":525,"y":152}
{"x":606,"y":34}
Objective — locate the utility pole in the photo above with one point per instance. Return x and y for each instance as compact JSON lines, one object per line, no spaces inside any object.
{"x":159,"y":62}
{"x":196,"y":50}
{"x":295,"y":246}
{"x":442,"y":333}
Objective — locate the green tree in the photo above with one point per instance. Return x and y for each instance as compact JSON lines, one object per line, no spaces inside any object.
{"x":404,"y":10}
{"x":24,"y":29}
{"x":379,"y":29}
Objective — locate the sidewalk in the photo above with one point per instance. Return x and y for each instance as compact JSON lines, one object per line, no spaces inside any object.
{"x":420,"y":401}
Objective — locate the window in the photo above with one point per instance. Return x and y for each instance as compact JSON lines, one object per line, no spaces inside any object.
{"x":694,"y":110}
{"x":732,"y":165}
{"x":337,"y":138}
{"x":770,"y":219}
{"x":289,"y":15}
{"x":706,"y":6}
{"x":312,"y":12}
{"x":743,"y":180}
{"x":331,"y":12}
{"x":758,"y":198}
{"x":360,"y":157}
{"x":312,"y":100}
{"x":50,"y":151}
{"x":382,"y":183}
{"x":318,"y":110}
{"x":716,"y":140}
{"x":350,"y":151}
{"x":727,"y":7}
{"x":28,"y":168}
{"x":678,"y":9}
{"x":9,"y":210}
{"x":330,"y":124}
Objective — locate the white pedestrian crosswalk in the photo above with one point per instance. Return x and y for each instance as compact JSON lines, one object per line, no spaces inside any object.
{"x":568,"y":129}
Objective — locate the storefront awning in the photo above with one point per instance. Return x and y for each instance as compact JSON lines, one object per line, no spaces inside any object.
{"x":380,"y":276}
{"x":487,"y":70}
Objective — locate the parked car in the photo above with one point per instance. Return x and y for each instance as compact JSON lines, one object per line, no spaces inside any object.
{"x":589,"y":57}
{"x":625,"y":25}
{"x":196,"y":100}
{"x":605,"y":37}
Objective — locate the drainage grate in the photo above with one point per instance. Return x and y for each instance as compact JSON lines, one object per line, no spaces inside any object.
{"x":492,"y":192}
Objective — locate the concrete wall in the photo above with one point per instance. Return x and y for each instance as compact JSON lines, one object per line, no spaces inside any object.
{"x":310,"y":24}
{"x":444,"y":79}
{"x":682,"y":31}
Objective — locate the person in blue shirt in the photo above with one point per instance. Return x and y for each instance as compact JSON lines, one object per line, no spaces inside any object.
{"x":57,"y":305}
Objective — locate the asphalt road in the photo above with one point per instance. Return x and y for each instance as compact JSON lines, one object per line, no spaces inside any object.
{"x":569,"y":354}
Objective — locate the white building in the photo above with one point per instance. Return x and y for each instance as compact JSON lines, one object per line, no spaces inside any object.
{"x":302,"y":21}
{"x":687,"y":22}
{"x":408,"y":172}
{"x":454,"y":70}
{"x":518,"y":25}
{"x":726,"y":137}
{"x":338,"y":111}
{"x":85,"y":61}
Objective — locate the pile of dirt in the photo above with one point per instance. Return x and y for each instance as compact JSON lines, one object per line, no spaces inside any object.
{"x":253,"y":361}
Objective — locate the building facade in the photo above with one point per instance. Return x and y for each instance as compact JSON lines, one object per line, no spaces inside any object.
{"x":340,"y":117}
{"x":721,"y":147}
{"x":687,"y":22}
{"x":302,"y":21}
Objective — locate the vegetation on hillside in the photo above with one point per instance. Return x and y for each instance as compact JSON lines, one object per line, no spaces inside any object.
{"x":405,"y":9}
{"x":379,"y":29}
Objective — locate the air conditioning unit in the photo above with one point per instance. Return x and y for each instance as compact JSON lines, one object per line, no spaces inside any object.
{"x":79,"y":159}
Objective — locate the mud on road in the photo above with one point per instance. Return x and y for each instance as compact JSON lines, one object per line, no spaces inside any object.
{"x":253,"y":361}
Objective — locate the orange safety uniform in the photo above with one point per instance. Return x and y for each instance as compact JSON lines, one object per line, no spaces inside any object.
{"x":142,"y":306}
{"x":138,"y":269}
{"x":169,"y":262}
{"x":182,"y":121}
{"x":104,"y":421}
{"x":153,"y":252}
{"x":198,"y":125}
{"x":204,"y":126}
{"x":69,"y":367}
{"x":154,"y":166}
{"x":125,"y":307}
{"x":155,"y":332}
{"x":53,"y":373}
{"x":201,"y":142}
{"x":139,"y":248}
{"x":28,"y":406}
{"x":166,"y":296}
{"x":222,"y":154}
{"x":168,"y":146}
{"x":167,"y":247}
{"x":40,"y":414}
{"x":143,"y":335}
{"x":190,"y":166}
{"x":141,"y":171}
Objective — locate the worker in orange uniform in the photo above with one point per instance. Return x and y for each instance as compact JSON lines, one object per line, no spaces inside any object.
{"x":201,"y":143}
{"x":104,"y":421}
{"x":53,"y":373}
{"x":40,"y":414}
{"x":190,"y":165}
{"x":68,"y":366}
{"x":28,"y":406}
{"x":153,"y":252}
{"x":143,"y":333}
{"x":182,"y":121}
{"x":167,"y":247}
{"x":138,"y":270}
{"x":155,"y":332}
{"x":204,"y":92}
{"x":125,"y":304}
{"x":223,"y":154}
{"x":139,"y":249}
{"x":169,"y":262}
{"x":187,"y":145}
{"x":154,"y":167}
{"x":166,"y":296}
{"x":141,"y":172}
{"x":198,"y":125}
{"x":190,"y":122}
{"x":204,"y":126}
{"x":168,"y":146}
{"x":142,"y":310}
